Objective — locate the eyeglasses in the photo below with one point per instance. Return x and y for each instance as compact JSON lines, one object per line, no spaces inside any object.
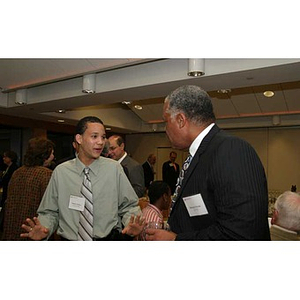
{"x":113,"y":148}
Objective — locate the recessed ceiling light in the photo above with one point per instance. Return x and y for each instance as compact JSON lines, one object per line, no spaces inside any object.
{"x":126,"y":102}
{"x":139,"y":107}
{"x":108,"y":128}
{"x":61,"y":111}
{"x":224,"y":91}
{"x":269,"y":94}
{"x":61,"y":121}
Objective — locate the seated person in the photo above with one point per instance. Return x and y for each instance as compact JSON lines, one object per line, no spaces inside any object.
{"x":160,"y":199}
{"x":286,"y":218}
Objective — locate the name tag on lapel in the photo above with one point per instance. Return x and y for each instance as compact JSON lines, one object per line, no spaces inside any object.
{"x":195,"y":205}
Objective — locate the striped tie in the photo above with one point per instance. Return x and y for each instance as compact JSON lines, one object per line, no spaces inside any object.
{"x":85,"y":231}
{"x":180,"y":178}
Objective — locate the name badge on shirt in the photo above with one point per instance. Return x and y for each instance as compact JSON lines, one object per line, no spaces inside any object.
{"x":195,"y":205}
{"x":77,"y":203}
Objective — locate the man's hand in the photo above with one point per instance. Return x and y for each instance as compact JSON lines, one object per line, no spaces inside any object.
{"x":159,"y":235}
{"x":135,"y":226}
{"x":34,"y":230}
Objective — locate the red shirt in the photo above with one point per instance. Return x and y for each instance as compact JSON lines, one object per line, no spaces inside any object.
{"x":151,"y":214}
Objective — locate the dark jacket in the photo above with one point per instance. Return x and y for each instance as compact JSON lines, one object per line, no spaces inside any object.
{"x":170,"y":174}
{"x":230,"y":178}
{"x":148,"y":174}
{"x":5,"y":181}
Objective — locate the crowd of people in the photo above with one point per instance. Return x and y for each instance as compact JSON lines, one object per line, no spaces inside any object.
{"x":219,"y":193}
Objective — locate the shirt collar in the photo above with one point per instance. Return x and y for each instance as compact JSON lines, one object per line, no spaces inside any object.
{"x":121,"y":159}
{"x":94,"y":166}
{"x":156,"y":209}
{"x":197,"y":141}
{"x":285,"y":230}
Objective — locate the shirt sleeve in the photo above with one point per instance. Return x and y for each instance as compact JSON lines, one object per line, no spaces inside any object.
{"x":48,"y":209}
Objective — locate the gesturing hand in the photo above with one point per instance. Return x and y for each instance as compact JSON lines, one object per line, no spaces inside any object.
{"x":135,"y":226}
{"x":34,"y":230}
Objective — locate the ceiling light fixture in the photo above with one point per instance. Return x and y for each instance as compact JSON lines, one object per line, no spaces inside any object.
{"x":268,"y":94}
{"x":139,"y":107}
{"x":126,"y":102}
{"x":61,"y":111}
{"x":154,"y":127}
{"x":196,"y":67}
{"x":224,"y":91}
{"x":21,"y":97}
{"x":61,"y":121}
{"x":89,"y":84}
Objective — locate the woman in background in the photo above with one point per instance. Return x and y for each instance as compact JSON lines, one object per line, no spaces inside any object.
{"x":10,"y":160}
{"x":27,"y":186}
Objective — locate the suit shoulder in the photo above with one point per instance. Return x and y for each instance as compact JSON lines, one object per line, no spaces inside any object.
{"x":131,"y":161}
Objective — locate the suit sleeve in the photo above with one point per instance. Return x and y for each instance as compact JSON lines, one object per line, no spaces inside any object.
{"x":136,"y":176}
{"x":164,"y":171}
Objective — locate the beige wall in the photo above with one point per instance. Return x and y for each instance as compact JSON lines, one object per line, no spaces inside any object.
{"x":278,"y":149}
{"x":139,"y":146}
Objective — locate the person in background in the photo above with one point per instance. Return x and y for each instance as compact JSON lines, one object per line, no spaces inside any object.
{"x":2,"y":166}
{"x":10,"y":159}
{"x":170,"y":171}
{"x":286,"y":218}
{"x":159,"y":194}
{"x":134,"y":169}
{"x":148,"y":167}
{"x":27,"y":186}
{"x":87,"y":197}
{"x":222,"y":190}
{"x":105,"y":150}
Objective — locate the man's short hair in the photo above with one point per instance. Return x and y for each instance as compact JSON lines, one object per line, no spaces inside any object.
{"x":156,"y":189}
{"x":82,"y":124}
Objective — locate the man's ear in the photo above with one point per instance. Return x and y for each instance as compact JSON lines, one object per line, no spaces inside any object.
{"x":274,"y":217}
{"x":181,"y":120}
{"x":165,"y":197}
{"x":122,"y":146}
{"x":78,"y":138}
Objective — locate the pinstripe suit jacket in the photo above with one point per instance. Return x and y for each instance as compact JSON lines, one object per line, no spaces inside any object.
{"x":229,"y":175}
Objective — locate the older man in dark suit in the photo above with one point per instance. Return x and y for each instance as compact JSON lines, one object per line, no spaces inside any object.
{"x":132,"y":168}
{"x":148,"y":167}
{"x":222,"y":189}
{"x":170,"y":171}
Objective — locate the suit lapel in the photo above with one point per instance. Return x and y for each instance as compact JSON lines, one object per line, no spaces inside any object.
{"x":203,"y":146}
{"x":124,"y":162}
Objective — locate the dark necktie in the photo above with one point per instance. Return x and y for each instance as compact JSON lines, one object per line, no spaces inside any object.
{"x":180,"y":178}
{"x":85,"y":231}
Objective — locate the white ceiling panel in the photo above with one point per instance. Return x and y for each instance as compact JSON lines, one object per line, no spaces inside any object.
{"x":151,"y":111}
{"x":18,"y":73}
{"x":224,"y":108}
{"x":54,"y":84}
{"x":291,"y":93}
{"x":275,"y":104}
{"x":245,"y":102}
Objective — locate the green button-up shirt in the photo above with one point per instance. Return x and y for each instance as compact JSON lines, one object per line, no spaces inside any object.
{"x":113,"y":197}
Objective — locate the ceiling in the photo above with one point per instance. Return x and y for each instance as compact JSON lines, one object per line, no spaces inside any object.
{"x":54,"y":84}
